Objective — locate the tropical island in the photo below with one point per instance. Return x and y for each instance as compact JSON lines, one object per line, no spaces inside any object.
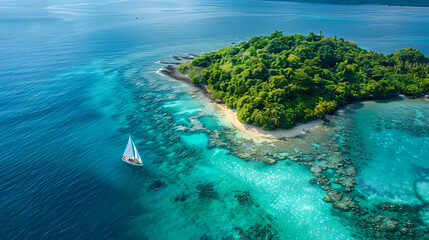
{"x":280,"y":80}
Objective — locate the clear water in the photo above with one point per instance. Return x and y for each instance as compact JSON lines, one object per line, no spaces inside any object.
{"x":397,"y":142}
{"x":77,"y":77}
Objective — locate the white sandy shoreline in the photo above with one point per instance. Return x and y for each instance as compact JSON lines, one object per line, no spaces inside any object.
{"x":258,"y":134}
{"x":249,"y":131}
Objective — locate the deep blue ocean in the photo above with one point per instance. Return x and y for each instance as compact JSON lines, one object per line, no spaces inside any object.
{"x":77,"y":77}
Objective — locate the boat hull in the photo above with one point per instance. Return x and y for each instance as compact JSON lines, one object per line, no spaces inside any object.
{"x":134,"y":164}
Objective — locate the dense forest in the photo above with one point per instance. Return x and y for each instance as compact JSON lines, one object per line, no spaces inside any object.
{"x":278,"y":81}
{"x":420,"y":3}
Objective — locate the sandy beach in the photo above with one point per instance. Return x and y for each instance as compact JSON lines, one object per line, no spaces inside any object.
{"x":258,"y":134}
{"x":247,"y":130}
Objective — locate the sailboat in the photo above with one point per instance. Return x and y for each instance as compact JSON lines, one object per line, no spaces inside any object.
{"x":131,"y":155}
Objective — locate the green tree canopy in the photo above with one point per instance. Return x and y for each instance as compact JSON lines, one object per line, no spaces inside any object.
{"x":280,"y":80}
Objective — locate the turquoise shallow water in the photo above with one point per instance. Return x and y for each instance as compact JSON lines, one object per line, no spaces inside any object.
{"x":78,"y":77}
{"x":395,"y":134}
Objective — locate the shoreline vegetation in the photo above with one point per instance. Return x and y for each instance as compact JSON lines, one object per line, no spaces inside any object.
{"x":334,"y":156}
{"x":411,"y":3}
{"x":250,"y":131}
{"x":279,"y":81}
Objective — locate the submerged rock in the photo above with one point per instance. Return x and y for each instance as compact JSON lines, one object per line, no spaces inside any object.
{"x":181,"y":197}
{"x":327,"y":199}
{"x":258,"y":231}
{"x":205,"y":237}
{"x":177,"y":58}
{"x":389,"y":225}
{"x":339,"y":202}
{"x":243,"y":198}
{"x":313,"y":181}
{"x":206,"y":190}
{"x":156,"y":185}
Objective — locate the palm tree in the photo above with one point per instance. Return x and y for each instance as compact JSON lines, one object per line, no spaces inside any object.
{"x":266,"y":103}
{"x":319,"y":111}
{"x":276,"y":118}
{"x":261,"y":118}
{"x":267,"y":110}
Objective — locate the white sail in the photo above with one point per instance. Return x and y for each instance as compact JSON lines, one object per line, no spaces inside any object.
{"x":132,"y":154}
{"x":136,"y":153}
{"x":129,"y":149}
